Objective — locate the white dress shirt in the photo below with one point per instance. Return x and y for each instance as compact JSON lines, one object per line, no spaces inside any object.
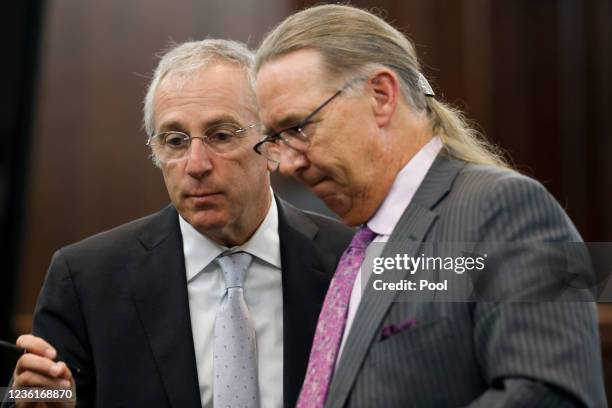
{"x":388,"y":214}
{"x":263,"y":295}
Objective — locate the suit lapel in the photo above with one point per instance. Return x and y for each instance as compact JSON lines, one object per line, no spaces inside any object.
{"x":160,"y":295}
{"x":406,"y":238}
{"x":304,"y":287}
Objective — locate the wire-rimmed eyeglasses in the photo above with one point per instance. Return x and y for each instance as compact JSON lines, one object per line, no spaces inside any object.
{"x":221,"y":138}
{"x":295,"y":136}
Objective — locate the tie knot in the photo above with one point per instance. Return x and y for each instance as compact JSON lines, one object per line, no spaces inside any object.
{"x":234,"y":267}
{"x":362,"y":238}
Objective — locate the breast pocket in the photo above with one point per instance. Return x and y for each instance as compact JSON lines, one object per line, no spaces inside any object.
{"x":426,"y":365}
{"x":411,"y":343}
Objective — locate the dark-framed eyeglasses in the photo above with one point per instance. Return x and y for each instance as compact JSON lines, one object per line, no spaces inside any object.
{"x":221,"y":138}
{"x":295,"y":136}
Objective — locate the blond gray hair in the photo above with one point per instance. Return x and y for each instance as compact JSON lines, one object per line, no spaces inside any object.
{"x":351,"y":41}
{"x":186,"y":58}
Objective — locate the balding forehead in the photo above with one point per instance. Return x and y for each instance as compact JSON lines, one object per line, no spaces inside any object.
{"x":206,"y":92}
{"x":298,"y":73}
{"x":289,"y":87}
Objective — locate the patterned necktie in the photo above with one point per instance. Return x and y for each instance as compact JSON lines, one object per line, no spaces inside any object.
{"x":332,"y":321}
{"x":235,"y":345}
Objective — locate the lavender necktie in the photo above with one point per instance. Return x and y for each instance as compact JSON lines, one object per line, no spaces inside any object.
{"x":332,"y":321}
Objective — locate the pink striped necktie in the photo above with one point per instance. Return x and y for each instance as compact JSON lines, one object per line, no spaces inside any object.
{"x":332,"y":321}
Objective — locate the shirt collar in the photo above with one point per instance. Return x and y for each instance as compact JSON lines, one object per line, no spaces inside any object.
{"x":200,"y":251}
{"x":404,"y":187}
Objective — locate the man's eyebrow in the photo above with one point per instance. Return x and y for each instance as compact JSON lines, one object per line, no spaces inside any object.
{"x":171,"y":126}
{"x":218,"y":120}
{"x":174,"y":125}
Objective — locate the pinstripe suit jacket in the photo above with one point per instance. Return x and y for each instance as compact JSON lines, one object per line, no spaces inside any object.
{"x":485,"y":354}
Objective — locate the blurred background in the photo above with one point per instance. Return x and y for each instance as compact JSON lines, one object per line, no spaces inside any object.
{"x":535,"y":75}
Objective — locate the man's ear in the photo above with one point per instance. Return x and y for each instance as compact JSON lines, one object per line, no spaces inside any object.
{"x":385,"y":88}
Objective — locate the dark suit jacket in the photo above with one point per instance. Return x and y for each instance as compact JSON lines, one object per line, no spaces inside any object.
{"x":115,"y":305}
{"x":482,"y":353}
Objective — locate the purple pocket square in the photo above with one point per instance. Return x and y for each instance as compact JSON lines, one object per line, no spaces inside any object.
{"x":393,"y":329}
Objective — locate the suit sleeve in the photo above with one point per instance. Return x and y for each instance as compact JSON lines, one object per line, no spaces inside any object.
{"x":59,"y":320}
{"x":534,"y":349}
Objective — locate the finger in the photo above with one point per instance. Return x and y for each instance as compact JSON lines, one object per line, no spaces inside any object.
{"x":36,"y":345}
{"x":41,"y":365}
{"x":63,"y":371}
{"x":33,"y":379}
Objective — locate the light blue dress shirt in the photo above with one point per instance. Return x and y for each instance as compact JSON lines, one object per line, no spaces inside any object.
{"x":264,"y":298}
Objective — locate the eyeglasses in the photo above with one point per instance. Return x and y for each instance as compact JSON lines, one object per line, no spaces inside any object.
{"x":295,"y":136}
{"x":221,"y":138}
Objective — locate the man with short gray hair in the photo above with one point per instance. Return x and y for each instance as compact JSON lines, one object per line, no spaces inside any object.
{"x":214,"y":299}
{"x":347,"y":111}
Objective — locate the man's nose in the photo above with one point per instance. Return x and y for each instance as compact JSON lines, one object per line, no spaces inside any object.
{"x":292,"y":161}
{"x":198,"y":158}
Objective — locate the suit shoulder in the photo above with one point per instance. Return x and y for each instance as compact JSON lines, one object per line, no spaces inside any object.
{"x":326,"y":223}
{"x":332,"y":233}
{"x":332,"y":237}
{"x":491,"y":181}
{"x":326,"y":233}
{"x":488,"y":174}
{"x":515,"y":202}
{"x":118,"y":238}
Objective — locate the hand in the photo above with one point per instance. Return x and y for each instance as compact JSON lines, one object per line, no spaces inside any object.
{"x":37,"y":368}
